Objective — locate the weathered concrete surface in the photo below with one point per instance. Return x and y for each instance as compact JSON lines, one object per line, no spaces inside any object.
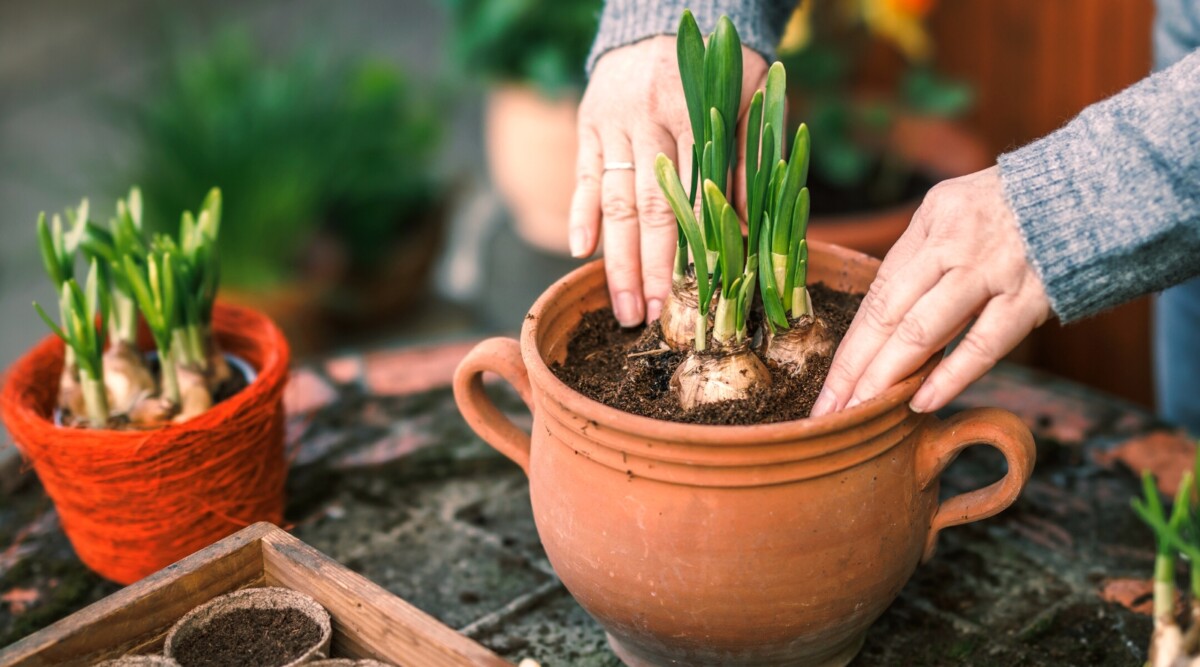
{"x":394,"y":485}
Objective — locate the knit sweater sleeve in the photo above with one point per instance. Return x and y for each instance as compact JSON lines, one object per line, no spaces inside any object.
{"x":759,"y":23}
{"x":1109,"y":205}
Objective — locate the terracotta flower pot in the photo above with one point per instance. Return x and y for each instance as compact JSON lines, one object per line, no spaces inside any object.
{"x":531,"y":147}
{"x":134,"y":501}
{"x":731,"y":545}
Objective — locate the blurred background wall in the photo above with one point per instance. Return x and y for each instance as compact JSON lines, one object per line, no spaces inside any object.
{"x":94,"y":94}
{"x":1035,"y":65}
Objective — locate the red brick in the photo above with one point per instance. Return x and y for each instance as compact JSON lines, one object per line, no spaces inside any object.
{"x":1164,"y":453}
{"x":414,"y":370}
{"x":1133,"y":594}
{"x":345,"y":370}
{"x":307,"y":392}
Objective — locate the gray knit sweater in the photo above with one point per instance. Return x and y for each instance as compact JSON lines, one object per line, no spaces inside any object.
{"x":1108,"y":206}
{"x":759,"y":23}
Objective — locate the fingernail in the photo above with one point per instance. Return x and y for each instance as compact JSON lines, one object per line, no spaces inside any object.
{"x":854,"y":400}
{"x":578,"y":242}
{"x":653,"y":309}
{"x":922,"y":401}
{"x":628,"y":309}
{"x":826,"y":401}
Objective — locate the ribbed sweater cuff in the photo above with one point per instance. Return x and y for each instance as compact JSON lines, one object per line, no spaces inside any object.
{"x":627,"y":21}
{"x":1051,"y":215}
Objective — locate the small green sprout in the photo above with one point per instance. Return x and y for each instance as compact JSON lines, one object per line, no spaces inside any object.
{"x":81,"y":310}
{"x":154,"y":285}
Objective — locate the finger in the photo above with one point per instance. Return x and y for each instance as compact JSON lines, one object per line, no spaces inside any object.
{"x":618,"y":210}
{"x":1001,"y":326}
{"x":934,"y":321}
{"x":584,"y":226}
{"x":657,"y":221}
{"x":890,"y":297}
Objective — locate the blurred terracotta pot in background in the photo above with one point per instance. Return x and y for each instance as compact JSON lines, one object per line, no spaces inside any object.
{"x":531,"y":147}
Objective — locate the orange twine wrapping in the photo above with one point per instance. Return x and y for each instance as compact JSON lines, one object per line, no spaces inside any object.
{"x":133,"y":502}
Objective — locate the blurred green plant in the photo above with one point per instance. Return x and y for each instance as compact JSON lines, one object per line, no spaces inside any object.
{"x":822,"y":50}
{"x":541,"y":42}
{"x":305,"y":144}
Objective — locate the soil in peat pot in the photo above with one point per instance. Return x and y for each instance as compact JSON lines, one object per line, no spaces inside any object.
{"x":250,"y":637}
{"x":604,"y":364}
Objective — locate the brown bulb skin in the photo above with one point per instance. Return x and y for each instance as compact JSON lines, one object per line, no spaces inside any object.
{"x":126,"y":378}
{"x":795,"y":348}
{"x":722,"y":375}
{"x":678,"y":318}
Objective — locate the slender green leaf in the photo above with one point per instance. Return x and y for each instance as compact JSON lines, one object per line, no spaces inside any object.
{"x":719,"y":169}
{"x":767,"y":148}
{"x":187,"y":233}
{"x":723,"y":77}
{"x":773,"y":110}
{"x":732,"y":243}
{"x":49,"y":322}
{"x":135,"y":207}
{"x":169,"y":279}
{"x":689,"y":47}
{"x":145,"y":300}
{"x":753,"y":135}
{"x":49,"y":252}
{"x":709,"y":229}
{"x":668,"y":181}
{"x":757,"y":199}
{"x":801,"y":153}
{"x":796,"y":173}
{"x":746,"y":295}
{"x":694,"y":189}
{"x":212,"y":206}
{"x":799,"y":227}
{"x":780,"y":231}
{"x":772,"y":303}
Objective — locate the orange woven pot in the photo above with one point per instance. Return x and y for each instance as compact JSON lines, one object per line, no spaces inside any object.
{"x":133,"y":502}
{"x":772,"y":544}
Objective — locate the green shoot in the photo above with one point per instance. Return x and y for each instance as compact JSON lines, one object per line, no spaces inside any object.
{"x":785,"y":251}
{"x":737,"y":278}
{"x":712,"y":87}
{"x":108,"y":247}
{"x":753,"y":135}
{"x":668,"y":180}
{"x":154,"y":286}
{"x":1167,"y":539}
{"x":80,"y":311}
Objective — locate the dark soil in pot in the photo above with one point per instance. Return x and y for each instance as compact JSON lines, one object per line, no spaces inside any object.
{"x":250,"y":637}
{"x":604,"y":363}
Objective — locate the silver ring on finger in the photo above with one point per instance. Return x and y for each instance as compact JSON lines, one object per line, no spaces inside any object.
{"x":618,"y":166}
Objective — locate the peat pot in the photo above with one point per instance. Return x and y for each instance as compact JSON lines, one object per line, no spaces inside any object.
{"x":731,"y":545}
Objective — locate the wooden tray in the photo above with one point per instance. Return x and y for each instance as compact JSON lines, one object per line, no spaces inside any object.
{"x":368,"y":621}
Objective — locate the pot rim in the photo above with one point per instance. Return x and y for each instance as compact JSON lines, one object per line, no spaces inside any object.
{"x":269,"y":375}
{"x":702,"y":434}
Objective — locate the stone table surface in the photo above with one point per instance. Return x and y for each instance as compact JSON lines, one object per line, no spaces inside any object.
{"x":387,"y":479}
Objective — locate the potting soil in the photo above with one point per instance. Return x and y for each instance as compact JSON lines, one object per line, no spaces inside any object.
{"x":250,"y":637}
{"x":604,"y":362}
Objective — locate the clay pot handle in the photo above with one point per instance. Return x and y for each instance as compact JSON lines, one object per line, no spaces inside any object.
{"x":941,"y":445}
{"x":501,"y":356}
